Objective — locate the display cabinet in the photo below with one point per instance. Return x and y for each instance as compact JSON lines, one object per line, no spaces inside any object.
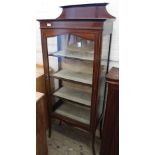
{"x":110,"y":129}
{"x":76,"y":45}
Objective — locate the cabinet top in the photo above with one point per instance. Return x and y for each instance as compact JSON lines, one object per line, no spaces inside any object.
{"x":113,"y":75}
{"x":83,"y":12}
{"x":39,"y":96}
{"x":84,"y":5}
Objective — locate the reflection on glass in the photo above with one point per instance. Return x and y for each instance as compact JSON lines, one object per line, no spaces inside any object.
{"x":73,"y":47}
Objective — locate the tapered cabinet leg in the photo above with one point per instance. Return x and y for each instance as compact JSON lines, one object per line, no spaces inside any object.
{"x":49,"y":129}
{"x":93,"y":144}
{"x":60,"y":123}
{"x":101,"y":122}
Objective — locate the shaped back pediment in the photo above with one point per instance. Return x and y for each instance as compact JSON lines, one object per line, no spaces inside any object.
{"x":95,"y":11}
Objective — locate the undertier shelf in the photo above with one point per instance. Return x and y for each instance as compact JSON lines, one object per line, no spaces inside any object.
{"x":75,"y":55}
{"x":74,"y":76}
{"x":74,"y":111}
{"x":74,"y":95}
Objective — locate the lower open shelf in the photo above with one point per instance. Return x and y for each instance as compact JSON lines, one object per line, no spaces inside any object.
{"x":74,"y":111}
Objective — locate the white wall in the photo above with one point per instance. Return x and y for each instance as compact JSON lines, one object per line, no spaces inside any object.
{"x":50,"y":9}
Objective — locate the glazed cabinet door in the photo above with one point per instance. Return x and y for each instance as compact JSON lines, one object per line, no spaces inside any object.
{"x":71,"y":60}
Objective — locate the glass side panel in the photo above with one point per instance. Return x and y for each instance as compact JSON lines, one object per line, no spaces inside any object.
{"x":105,"y":50}
{"x":71,"y":69}
{"x":104,"y":64}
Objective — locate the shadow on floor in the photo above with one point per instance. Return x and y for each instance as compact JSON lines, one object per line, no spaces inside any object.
{"x":66,"y":140}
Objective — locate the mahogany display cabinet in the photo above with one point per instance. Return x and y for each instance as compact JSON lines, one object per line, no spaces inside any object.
{"x":110,"y":129}
{"x":76,"y":45}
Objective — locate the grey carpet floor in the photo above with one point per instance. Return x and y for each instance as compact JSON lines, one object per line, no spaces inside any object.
{"x":66,"y":140}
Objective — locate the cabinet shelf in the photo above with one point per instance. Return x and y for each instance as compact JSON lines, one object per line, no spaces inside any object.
{"x":74,"y":95}
{"x":75,"y":112}
{"x":74,"y":76}
{"x":89,"y":56}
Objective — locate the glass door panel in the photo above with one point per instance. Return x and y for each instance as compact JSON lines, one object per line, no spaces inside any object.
{"x":71,"y":62}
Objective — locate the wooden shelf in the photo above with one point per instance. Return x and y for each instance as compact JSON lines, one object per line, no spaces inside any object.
{"x":74,"y":76}
{"x":74,"y":111}
{"x":74,"y":95}
{"x":75,"y":55}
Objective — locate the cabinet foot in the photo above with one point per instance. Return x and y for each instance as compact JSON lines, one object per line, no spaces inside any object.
{"x":60,"y":123}
{"x":49,"y":130}
{"x":101,"y":128}
{"x":93,"y":144}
